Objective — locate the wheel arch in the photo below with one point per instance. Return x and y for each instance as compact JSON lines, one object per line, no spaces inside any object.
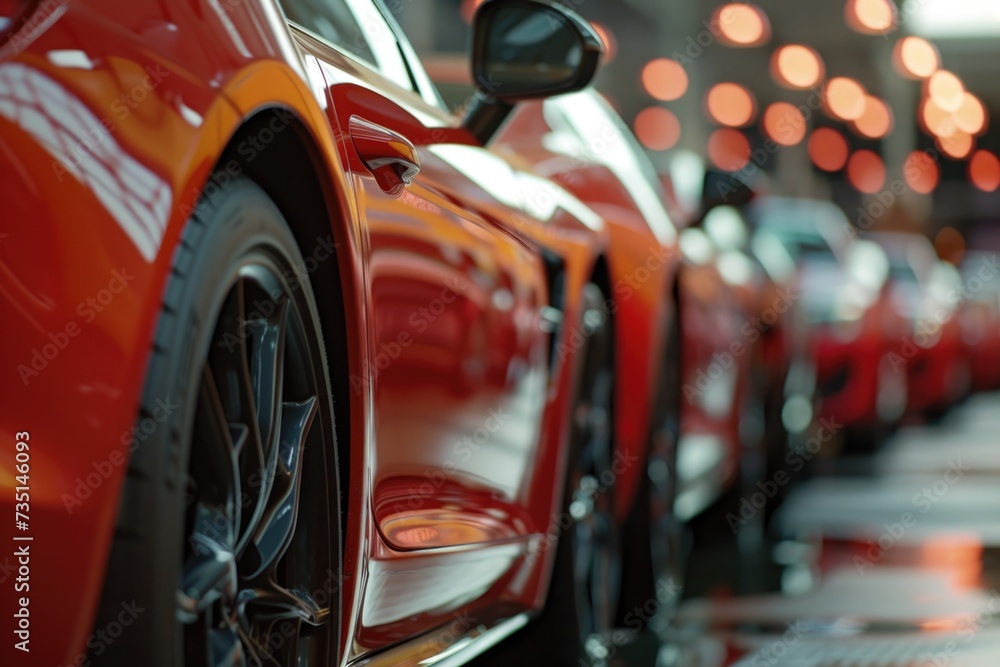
{"x":295,"y":177}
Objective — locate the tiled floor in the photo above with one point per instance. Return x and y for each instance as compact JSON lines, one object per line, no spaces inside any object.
{"x":892,"y":562}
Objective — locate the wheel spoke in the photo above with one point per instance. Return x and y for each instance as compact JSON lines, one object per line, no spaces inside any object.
{"x":272,"y":603}
{"x":215,"y":448}
{"x":266,"y":355}
{"x":231,"y":369}
{"x":278,"y":521}
{"x":210,"y":571}
{"x":249,"y":559}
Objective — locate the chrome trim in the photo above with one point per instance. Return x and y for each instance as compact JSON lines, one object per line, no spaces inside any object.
{"x":430,"y":650}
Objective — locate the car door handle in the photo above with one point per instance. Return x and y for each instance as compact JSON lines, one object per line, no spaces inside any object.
{"x":388,"y":155}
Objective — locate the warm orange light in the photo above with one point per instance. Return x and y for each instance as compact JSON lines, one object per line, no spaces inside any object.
{"x":984,"y":171}
{"x":866,"y":171}
{"x":950,"y":246}
{"x":741,"y":24}
{"x":657,"y":129}
{"x":915,"y":58}
{"x":845,"y":98}
{"x":608,"y":39}
{"x":971,"y":116}
{"x":935,"y":120}
{"x":784,"y":123}
{"x":469,"y":8}
{"x":664,"y":79}
{"x":731,"y":104}
{"x":828,"y":149}
{"x":729,"y":150}
{"x":946,"y":90}
{"x":958,"y":146}
{"x":871,"y":16}
{"x":797,"y":67}
{"x":876,"y":121}
{"x":921,"y":172}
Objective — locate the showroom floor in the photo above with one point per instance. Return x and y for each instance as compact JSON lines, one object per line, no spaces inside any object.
{"x":890,"y":561}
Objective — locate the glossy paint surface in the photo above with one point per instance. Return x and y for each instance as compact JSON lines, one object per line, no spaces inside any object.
{"x":112,"y":117}
{"x":579,"y":142}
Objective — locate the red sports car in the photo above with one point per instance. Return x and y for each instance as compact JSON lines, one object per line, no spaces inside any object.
{"x":298,"y":372}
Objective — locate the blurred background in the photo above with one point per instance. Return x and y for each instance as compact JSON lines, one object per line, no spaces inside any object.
{"x":863,"y":98}
{"x":864,"y":528}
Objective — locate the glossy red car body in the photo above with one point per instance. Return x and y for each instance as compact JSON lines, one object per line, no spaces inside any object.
{"x":925,"y":292}
{"x":579,"y":142}
{"x":113,"y":119}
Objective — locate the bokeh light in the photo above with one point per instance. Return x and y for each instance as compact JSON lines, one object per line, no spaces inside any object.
{"x":915,"y":58}
{"x":866,"y":171}
{"x":664,"y":79}
{"x":958,"y":145}
{"x":871,"y":16}
{"x":797,"y":67}
{"x":971,"y":116}
{"x":935,"y":120}
{"x":946,"y":90}
{"x":828,"y":149}
{"x":728,"y":149}
{"x":984,"y":171}
{"x":731,"y":104}
{"x":845,"y":98}
{"x":921,"y":172}
{"x":741,"y":24}
{"x":784,"y":123}
{"x":950,"y":245}
{"x":657,"y":128}
{"x":876,"y":121}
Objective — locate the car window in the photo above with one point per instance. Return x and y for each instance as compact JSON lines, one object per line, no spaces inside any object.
{"x":354,"y":26}
{"x":333,"y":21}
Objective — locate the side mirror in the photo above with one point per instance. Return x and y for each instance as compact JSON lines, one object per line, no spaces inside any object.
{"x":523,"y":49}
{"x":526,"y":49}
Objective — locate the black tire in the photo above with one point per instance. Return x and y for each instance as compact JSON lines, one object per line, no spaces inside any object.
{"x":208,"y":552}
{"x":654,"y":542}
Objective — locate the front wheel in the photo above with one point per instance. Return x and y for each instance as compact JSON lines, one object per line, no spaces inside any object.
{"x":228,"y":536}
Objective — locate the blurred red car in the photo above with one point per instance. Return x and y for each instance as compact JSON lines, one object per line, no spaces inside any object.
{"x":922,"y":292}
{"x":289,"y":385}
{"x":842,"y":282}
{"x":579,"y":142}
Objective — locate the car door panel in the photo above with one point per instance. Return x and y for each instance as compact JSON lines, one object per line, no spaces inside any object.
{"x":458,"y":372}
